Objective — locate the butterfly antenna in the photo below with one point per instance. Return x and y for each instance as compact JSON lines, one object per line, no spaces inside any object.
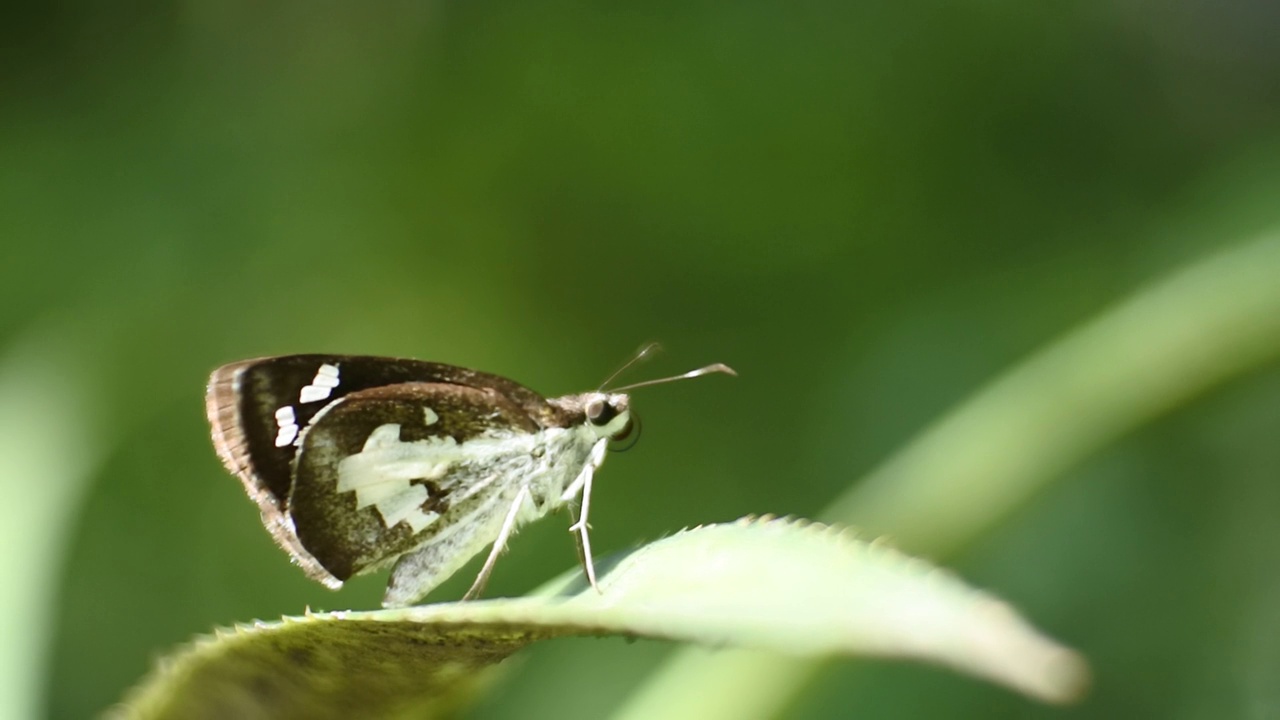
{"x":641,"y":354}
{"x":716,"y":368}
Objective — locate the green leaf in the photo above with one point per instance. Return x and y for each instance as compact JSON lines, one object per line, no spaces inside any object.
{"x":781,"y":585}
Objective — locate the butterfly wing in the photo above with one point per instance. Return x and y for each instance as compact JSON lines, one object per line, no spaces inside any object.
{"x":258,"y":410}
{"x":383,"y":471}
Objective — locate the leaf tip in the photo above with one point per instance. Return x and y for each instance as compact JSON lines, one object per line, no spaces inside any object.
{"x":1067,"y":677}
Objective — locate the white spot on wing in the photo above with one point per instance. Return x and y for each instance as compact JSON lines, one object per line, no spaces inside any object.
{"x":287,"y":435}
{"x":326,"y":376}
{"x":322,"y":384}
{"x":311,"y":393}
{"x":430,"y":416}
{"x":287,"y":424}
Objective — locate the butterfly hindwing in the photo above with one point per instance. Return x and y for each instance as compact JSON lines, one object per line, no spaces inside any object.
{"x":385,"y":470}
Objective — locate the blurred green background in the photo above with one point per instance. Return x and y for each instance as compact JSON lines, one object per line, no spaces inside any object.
{"x":870,"y":210}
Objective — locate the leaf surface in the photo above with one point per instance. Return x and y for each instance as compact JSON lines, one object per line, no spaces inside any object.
{"x":780,"y":585}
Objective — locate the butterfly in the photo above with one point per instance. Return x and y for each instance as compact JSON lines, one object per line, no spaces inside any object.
{"x":360,"y":463}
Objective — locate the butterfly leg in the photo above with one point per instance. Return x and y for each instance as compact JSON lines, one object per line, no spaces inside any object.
{"x":580,"y":527}
{"x":500,"y":543}
{"x":583,"y":482}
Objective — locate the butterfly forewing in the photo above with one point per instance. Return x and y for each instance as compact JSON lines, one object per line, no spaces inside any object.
{"x":382,"y":471}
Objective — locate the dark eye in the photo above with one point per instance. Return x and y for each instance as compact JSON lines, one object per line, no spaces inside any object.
{"x":600,"y":412}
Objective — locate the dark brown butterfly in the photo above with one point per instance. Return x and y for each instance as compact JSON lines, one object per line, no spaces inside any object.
{"x":358,"y":463}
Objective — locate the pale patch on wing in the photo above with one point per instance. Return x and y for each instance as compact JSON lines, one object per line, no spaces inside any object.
{"x":407,"y":507}
{"x":385,"y":459}
{"x":429,"y":416}
{"x":381,"y":474}
{"x":380,"y":493}
{"x":287,"y":423}
{"x":419,"y":520}
{"x":322,"y":384}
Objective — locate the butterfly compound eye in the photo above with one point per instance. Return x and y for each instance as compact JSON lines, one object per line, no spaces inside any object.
{"x":600,"y":412}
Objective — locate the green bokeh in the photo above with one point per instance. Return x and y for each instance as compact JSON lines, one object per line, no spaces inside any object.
{"x":868,"y":210}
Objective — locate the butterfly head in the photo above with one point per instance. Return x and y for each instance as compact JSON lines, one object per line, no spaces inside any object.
{"x":606,"y":415}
